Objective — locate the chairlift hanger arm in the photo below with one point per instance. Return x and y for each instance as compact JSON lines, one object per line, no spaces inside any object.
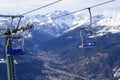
{"x":18,"y":23}
{"x":89,"y":9}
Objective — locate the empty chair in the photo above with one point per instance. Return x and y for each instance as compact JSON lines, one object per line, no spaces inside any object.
{"x":17,"y":46}
{"x":87,"y":39}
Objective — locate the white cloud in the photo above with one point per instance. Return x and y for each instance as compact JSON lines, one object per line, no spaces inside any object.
{"x":4,"y":4}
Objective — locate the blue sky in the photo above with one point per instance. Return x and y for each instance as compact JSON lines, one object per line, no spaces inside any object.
{"x":21,"y":6}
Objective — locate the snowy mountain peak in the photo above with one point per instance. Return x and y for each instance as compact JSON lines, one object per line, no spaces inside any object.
{"x":103,"y":23}
{"x":110,"y":23}
{"x":111,"y":19}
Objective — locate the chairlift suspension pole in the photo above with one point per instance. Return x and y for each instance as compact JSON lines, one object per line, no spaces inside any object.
{"x":89,"y":9}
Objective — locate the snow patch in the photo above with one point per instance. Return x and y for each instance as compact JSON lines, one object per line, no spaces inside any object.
{"x":117,"y":73}
{"x":69,"y":37}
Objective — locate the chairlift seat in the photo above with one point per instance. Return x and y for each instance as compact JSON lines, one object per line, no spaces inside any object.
{"x":89,"y":44}
{"x":16,"y":52}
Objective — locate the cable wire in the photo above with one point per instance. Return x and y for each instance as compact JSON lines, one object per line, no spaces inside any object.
{"x":101,"y":4}
{"x":41,"y":7}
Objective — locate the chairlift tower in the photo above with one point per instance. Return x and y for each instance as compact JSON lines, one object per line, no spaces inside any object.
{"x":10,"y":34}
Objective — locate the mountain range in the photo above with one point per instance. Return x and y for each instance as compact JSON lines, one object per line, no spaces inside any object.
{"x":61,"y":25}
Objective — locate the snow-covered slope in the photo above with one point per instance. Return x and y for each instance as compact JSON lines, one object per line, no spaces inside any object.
{"x":110,"y":19}
{"x":103,"y":23}
{"x":110,"y":23}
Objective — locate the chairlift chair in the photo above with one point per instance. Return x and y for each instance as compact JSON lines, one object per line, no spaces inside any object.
{"x":89,"y":42}
{"x":86,"y":35}
{"x":16,"y":52}
{"x":87,"y":39}
{"x":17,"y":49}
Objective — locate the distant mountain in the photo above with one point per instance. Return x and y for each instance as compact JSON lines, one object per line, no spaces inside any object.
{"x":48,"y":23}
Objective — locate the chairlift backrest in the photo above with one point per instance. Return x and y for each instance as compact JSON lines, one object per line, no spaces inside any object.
{"x":16,"y":52}
{"x":17,"y":46}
